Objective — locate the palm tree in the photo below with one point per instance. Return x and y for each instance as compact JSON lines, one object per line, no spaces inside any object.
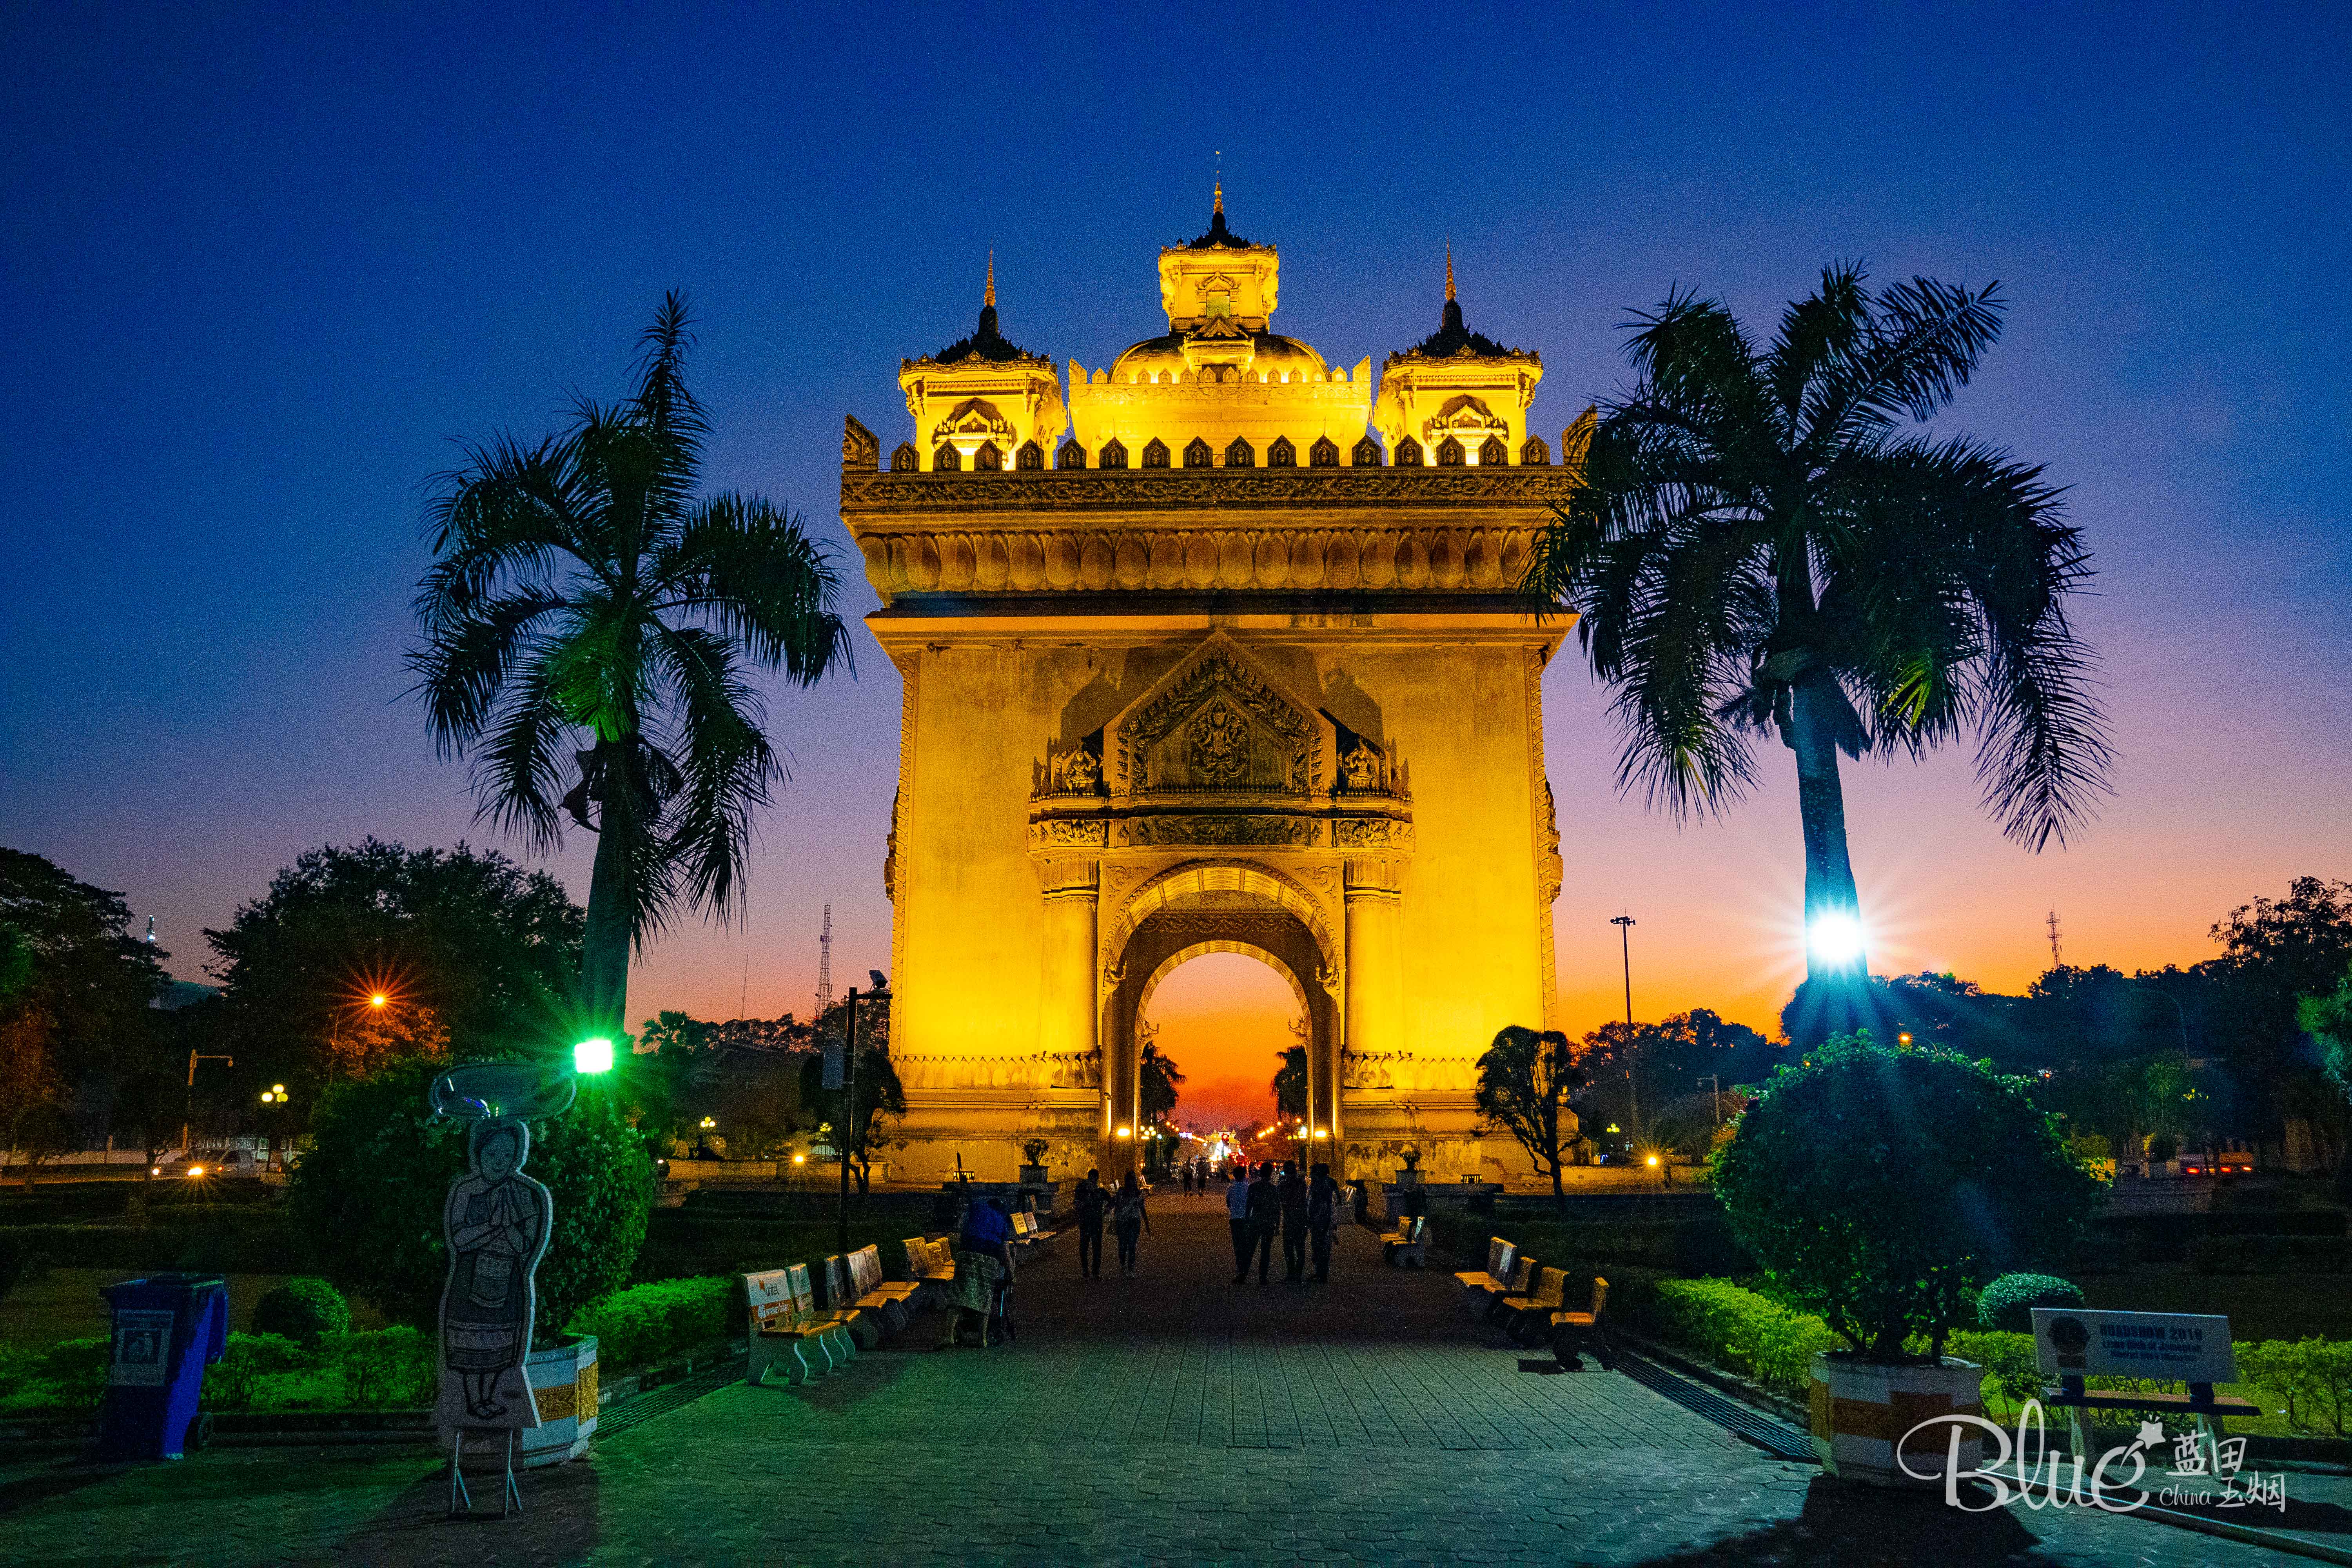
{"x":588,"y":621}
{"x":1760,"y":543}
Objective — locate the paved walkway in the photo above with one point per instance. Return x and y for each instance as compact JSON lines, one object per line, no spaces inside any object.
{"x":1174,"y":1418}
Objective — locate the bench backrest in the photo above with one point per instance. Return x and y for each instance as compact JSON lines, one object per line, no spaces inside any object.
{"x":1551,"y":1290}
{"x":803,"y":1293}
{"x":918,"y":1255}
{"x":1412,"y":1225}
{"x":866,"y":1266}
{"x":1522,"y":1271}
{"x":833,"y":1280}
{"x":942,"y":1253}
{"x":1499,"y":1257}
{"x":770,"y":1296}
{"x":1599,"y":1297}
{"x":1025,"y":1222}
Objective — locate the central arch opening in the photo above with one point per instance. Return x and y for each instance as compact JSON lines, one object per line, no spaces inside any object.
{"x":1224,"y":1019}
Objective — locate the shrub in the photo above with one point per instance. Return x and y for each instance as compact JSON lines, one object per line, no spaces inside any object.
{"x":1741,"y":1331}
{"x":303,"y":1309}
{"x":2007,"y":1304}
{"x":646,"y":1322}
{"x":2008,"y":1360}
{"x":1879,"y":1188}
{"x":230,"y":1381}
{"x":371,"y":1191}
{"x":2311,"y":1379}
{"x":395,"y":1368}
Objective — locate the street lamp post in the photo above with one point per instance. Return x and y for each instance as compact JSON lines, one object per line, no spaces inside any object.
{"x":1625,"y":924}
{"x":1716,"y":1078}
{"x":188,"y":1106}
{"x":849,"y":1118}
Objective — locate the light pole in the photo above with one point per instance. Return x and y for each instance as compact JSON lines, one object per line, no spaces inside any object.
{"x":188,"y":1106}
{"x":1625,"y":924}
{"x":1716,"y":1078}
{"x":848,"y":1117}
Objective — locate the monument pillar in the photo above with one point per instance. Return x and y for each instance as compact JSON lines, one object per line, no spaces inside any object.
{"x":1375,"y":973}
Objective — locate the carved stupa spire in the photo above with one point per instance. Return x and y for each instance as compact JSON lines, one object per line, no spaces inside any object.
{"x":988,"y":296}
{"x":1449,"y":269}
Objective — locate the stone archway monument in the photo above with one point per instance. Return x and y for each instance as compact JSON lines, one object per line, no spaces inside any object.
{"x":1229,"y":675}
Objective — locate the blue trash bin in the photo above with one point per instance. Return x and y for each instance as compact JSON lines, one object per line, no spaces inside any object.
{"x":167,"y":1329}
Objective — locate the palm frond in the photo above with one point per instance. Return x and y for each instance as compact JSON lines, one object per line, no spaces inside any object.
{"x":467,"y":659}
{"x":756,"y":574}
{"x":727,"y":766}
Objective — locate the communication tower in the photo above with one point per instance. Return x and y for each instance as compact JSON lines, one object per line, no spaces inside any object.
{"x":825,"y":964}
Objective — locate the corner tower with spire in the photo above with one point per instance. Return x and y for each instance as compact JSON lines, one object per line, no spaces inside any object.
{"x":982,"y":401}
{"x":1458,"y":398}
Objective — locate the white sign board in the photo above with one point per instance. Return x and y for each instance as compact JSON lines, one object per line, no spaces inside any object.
{"x":142,"y":1343}
{"x":2182,"y":1347}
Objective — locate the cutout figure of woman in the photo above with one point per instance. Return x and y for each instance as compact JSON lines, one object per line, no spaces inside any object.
{"x":497,"y":1222}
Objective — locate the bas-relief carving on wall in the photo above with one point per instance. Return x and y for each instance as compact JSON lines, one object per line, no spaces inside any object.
{"x":1038,"y":1070}
{"x":1219,"y":725}
{"x":1296,"y":831}
{"x":1405,"y":1072}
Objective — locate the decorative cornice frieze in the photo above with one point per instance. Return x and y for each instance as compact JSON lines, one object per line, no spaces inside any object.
{"x":868,"y":498}
{"x":1289,"y":558}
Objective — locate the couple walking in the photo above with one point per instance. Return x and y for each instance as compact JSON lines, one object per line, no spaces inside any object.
{"x":1127,"y":1218}
{"x":1305,"y":1210}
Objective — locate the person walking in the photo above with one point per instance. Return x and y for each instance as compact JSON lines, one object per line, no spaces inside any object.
{"x":1265,"y":1208}
{"x":1293,"y":1193}
{"x":1185,"y":1176}
{"x":1090,"y":1201}
{"x":1238,"y":1220}
{"x":1130,"y":1220}
{"x":1322,"y":1220}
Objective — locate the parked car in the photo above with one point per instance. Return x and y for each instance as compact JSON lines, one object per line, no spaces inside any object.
{"x":208,"y":1163}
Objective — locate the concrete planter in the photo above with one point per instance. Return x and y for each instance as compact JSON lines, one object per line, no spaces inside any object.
{"x":1033,"y":1175}
{"x":1860,"y":1412}
{"x":563,"y":1382}
{"x":1408,"y":1176}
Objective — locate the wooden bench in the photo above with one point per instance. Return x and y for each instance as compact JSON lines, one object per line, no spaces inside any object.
{"x":784,"y":1326}
{"x":2201,"y":1403}
{"x":1028,"y":1238}
{"x":890,"y":1303}
{"x":932,"y":1271}
{"x":1525,"y":1316}
{"x":833,"y":1328}
{"x":1573,"y":1332}
{"x":1496,"y":1276}
{"x":1407,"y":1246}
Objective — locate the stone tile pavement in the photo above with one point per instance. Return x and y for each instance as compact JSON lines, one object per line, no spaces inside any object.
{"x":1176,"y":1418}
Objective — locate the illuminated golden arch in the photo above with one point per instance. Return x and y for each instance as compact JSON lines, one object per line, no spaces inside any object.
{"x":1199,"y":876}
{"x":1176,"y":960}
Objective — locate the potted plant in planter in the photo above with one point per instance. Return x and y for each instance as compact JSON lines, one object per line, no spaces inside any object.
{"x":1881,"y":1189}
{"x":1034,"y":1154}
{"x":1409,"y":1174}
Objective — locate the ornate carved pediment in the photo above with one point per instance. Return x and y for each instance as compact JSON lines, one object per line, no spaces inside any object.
{"x":1219,"y":723}
{"x":974,"y":419}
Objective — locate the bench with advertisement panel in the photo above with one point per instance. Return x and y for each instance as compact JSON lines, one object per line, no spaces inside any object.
{"x":2075,"y":1344}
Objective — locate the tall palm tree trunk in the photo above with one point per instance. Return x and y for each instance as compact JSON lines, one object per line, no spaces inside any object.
{"x":612,"y":908}
{"x":1821,"y":806}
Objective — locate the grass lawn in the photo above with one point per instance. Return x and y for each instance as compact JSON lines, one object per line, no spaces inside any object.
{"x":64,"y":1304}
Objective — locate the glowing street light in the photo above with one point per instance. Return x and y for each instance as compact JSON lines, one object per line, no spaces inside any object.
{"x":378,"y":1000}
{"x":592,"y":1055}
{"x":1125,"y":1132}
{"x":1835,"y":938}
{"x":708,"y":1123}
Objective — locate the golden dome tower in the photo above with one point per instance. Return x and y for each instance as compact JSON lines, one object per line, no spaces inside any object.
{"x":1458,"y":398}
{"x":981,"y":401}
{"x":1218,"y":389}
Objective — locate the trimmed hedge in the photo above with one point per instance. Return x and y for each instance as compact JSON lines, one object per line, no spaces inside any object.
{"x":2310,"y":1379}
{"x":2271,"y":1255}
{"x":646,"y":1322}
{"x":385,"y":1369}
{"x":253,"y":1242}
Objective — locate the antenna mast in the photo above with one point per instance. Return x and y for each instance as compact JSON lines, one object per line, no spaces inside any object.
{"x":2055,"y":960}
{"x":825,"y":964}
